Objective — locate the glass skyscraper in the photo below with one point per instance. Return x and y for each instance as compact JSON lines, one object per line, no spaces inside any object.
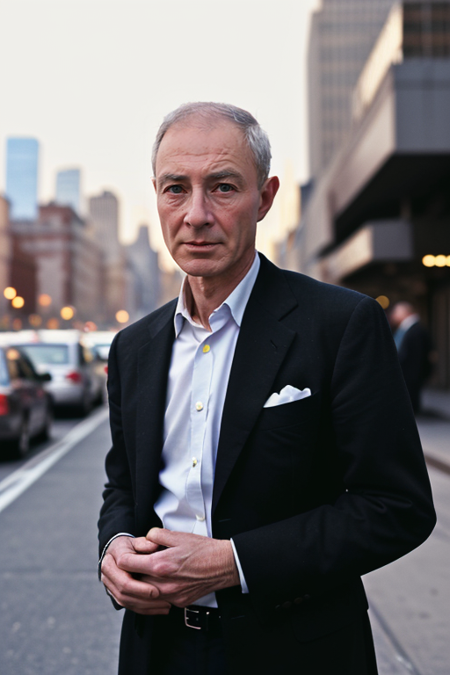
{"x":22,"y":177}
{"x":68,"y":188}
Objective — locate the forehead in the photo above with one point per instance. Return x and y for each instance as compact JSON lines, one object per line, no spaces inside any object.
{"x":211,"y":145}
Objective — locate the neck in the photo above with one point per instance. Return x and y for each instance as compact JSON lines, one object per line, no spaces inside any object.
{"x":205,"y":294}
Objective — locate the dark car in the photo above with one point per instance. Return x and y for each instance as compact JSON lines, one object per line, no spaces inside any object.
{"x":25,"y":406}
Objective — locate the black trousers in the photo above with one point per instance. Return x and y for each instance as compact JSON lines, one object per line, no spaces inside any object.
{"x":186,"y":651}
{"x":179,"y":650}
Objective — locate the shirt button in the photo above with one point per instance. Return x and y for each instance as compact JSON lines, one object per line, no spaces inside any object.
{"x":199,"y":406}
{"x":201,"y":518}
{"x":194,"y":461}
{"x":206,"y":349}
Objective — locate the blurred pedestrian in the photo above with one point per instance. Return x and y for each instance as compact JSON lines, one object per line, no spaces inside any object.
{"x":264,"y":453}
{"x":414,"y":349}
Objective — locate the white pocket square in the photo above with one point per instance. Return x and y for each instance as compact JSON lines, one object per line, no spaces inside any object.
{"x":287,"y":395}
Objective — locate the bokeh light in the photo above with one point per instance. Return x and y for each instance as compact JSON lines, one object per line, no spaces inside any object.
{"x":122,"y":316}
{"x":35,"y":320}
{"x":67,"y":313}
{"x":45,"y":300}
{"x":9,"y":292}
{"x":18,"y":302}
{"x":384,"y":301}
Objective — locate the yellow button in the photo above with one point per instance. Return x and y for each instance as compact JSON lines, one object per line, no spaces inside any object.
{"x":199,"y":406}
{"x":206,"y":349}
{"x":201,"y":518}
{"x":194,"y":461}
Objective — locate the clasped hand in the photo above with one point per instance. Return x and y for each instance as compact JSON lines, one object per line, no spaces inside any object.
{"x":149,"y":574}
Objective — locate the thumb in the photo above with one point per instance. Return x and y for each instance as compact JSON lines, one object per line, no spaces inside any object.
{"x":162,"y":537}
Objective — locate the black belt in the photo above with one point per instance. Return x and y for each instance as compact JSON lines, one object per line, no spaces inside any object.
{"x":199,"y":618}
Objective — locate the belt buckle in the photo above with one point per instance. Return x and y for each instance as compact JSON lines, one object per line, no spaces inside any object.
{"x":192,"y":619}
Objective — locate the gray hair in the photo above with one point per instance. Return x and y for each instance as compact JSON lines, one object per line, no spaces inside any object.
{"x":256,"y":138}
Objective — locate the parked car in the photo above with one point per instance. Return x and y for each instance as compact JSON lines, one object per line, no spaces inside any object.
{"x":25,"y":406}
{"x":75,"y":382}
{"x":100,"y":343}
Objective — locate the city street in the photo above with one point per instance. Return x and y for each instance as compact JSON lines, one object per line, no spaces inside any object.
{"x":56,"y":617}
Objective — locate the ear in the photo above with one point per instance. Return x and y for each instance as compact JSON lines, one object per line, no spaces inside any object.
{"x":154,"y":183}
{"x":268,"y":192}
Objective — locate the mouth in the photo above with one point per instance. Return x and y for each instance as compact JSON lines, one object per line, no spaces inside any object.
{"x":201,"y":245}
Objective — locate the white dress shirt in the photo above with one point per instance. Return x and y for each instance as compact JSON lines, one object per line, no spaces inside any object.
{"x":197,"y":385}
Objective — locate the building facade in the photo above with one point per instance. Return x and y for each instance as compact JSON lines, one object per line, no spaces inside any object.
{"x":144,"y":262}
{"x":5,"y":255}
{"x":104,"y":218}
{"x":342,"y":35}
{"x":378,"y":219}
{"x":68,"y":261}
{"x":22,"y":156}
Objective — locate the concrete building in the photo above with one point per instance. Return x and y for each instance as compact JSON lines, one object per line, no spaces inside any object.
{"x":104,"y":217}
{"x":378,"y":219}
{"x":342,"y":35}
{"x":144,"y":261}
{"x":68,"y":189}
{"x":68,"y":260}
{"x":22,"y":177}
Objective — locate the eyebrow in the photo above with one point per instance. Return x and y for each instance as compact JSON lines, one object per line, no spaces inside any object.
{"x":181,"y":178}
{"x":171,"y":178}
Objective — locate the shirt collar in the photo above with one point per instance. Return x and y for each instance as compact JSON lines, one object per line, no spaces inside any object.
{"x":236,"y":301}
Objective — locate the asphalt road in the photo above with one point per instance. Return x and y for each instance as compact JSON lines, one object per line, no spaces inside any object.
{"x":56,"y":619}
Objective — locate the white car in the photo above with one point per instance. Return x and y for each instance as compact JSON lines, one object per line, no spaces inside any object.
{"x":75,"y":381}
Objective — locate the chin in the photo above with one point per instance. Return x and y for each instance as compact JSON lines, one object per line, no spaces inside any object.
{"x":200,"y":268}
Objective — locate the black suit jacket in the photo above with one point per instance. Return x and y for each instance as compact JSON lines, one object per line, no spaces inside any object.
{"x":314,"y":493}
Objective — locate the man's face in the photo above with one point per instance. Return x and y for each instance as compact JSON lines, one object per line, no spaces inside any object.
{"x":208,"y":198}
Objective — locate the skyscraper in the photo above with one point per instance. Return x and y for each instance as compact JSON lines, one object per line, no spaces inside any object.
{"x":342,"y":35}
{"x":68,"y":188}
{"x":22,"y":177}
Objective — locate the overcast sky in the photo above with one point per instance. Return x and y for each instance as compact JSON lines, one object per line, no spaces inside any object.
{"x":92,"y":79}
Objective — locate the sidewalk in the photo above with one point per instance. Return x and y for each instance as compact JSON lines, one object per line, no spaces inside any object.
{"x":434,"y":428}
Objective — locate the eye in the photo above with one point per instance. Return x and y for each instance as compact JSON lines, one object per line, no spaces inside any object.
{"x":225,"y":187}
{"x":175,"y":189}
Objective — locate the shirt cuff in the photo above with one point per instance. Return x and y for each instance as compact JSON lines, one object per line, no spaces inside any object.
{"x":120,"y":534}
{"x":244,"y":586}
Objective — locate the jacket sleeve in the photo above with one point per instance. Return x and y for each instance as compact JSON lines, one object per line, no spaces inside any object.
{"x":385,"y":507}
{"x":117,"y":513}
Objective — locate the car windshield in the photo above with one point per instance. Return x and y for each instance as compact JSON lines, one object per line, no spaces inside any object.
{"x":44,"y":354}
{"x":4,"y":379}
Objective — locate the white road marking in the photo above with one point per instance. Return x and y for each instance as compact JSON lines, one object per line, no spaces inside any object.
{"x":19,"y":481}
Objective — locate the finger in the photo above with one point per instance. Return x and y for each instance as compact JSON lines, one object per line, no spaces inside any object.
{"x":123,"y":585}
{"x":143,"y":545}
{"x":137,"y":564}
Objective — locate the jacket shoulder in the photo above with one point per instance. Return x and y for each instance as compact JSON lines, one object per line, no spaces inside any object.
{"x":302,"y":285}
{"x":144,"y":329}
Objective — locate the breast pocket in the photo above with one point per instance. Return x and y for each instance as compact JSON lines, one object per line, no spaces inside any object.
{"x":289,"y":414}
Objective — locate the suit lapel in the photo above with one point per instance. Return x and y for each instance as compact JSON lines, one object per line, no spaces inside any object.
{"x":261,"y":348}
{"x":153,"y":366}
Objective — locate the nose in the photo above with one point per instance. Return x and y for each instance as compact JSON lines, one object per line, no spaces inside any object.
{"x":198,"y":213}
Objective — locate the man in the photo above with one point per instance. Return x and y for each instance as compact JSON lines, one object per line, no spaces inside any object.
{"x":264,"y":451}
{"x":414,"y":349}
